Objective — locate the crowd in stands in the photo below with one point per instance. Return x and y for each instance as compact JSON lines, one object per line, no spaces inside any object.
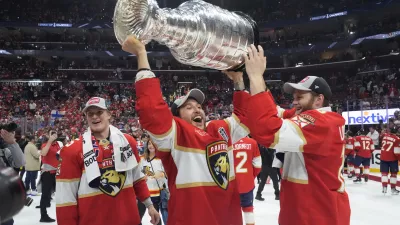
{"x":370,"y":86}
{"x":74,"y":11}
{"x":367,"y":86}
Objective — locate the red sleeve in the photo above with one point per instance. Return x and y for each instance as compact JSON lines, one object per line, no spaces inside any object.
{"x":302,"y":133}
{"x":289,"y":113}
{"x":139,"y":184}
{"x":68,"y":176}
{"x":256,"y":158}
{"x":238,"y":122}
{"x":264,"y":121}
{"x":240,"y":105}
{"x":154,"y":113}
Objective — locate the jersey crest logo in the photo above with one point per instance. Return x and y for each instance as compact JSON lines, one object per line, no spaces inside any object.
{"x":223,"y":134}
{"x":303,"y":120}
{"x":218,"y":163}
{"x":112,"y":182}
{"x":147,"y":171}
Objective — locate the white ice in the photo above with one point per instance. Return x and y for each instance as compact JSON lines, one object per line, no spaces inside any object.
{"x":369,"y":207}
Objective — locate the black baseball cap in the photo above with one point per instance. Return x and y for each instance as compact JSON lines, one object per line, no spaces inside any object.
{"x":196,"y":94}
{"x":310,"y":83}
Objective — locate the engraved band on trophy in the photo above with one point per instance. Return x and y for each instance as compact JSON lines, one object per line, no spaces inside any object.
{"x":197,"y":33}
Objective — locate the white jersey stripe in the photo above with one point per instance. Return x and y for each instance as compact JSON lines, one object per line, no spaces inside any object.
{"x":66,"y":193}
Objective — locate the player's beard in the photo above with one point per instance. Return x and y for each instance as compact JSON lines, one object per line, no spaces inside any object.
{"x":308,"y":106}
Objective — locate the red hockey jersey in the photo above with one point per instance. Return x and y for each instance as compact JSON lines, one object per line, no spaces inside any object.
{"x":390,"y":150}
{"x":247,"y":163}
{"x":79,"y":204}
{"x":349,"y":146}
{"x":199,"y":163}
{"x":312,"y":188}
{"x":364,"y":146}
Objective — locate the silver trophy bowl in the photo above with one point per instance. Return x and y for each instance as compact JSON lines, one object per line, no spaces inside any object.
{"x":197,"y":33}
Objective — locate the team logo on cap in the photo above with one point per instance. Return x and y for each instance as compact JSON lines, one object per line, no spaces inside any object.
{"x":304,"y":80}
{"x":93,"y":101}
{"x":218,"y":163}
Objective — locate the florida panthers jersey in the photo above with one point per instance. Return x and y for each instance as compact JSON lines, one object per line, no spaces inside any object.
{"x":79,"y":204}
{"x":390,"y":150}
{"x":199,"y":163}
{"x":311,"y":140}
{"x":364,"y":146}
{"x":247,"y":163}
{"x":349,"y":146}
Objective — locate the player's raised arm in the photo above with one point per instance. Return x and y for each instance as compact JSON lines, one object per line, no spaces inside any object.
{"x":154,"y":114}
{"x":290,"y":135}
{"x":237,"y":123}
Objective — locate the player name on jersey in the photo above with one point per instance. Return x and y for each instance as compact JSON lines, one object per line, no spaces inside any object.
{"x":365,"y":139}
{"x":388,"y":138}
{"x":242,"y":146}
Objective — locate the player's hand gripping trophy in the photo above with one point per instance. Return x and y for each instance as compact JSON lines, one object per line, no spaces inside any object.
{"x":197,"y":33}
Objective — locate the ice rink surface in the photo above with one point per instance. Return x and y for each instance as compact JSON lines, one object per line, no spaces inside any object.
{"x":369,"y":207}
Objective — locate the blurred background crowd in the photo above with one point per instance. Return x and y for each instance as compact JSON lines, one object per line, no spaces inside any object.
{"x":48,"y":71}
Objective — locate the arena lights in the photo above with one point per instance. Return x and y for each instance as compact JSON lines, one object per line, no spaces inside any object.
{"x":4,"y":52}
{"x":55,"y":24}
{"x":377,"y":37}
{"x":327,"y":16}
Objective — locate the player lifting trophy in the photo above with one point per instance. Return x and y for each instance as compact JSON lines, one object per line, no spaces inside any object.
{"x":198,"y":159}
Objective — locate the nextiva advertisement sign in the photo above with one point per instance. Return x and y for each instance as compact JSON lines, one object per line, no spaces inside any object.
{"x":368,"y":116}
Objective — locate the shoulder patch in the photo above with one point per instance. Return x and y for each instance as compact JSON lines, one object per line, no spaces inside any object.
{"x":303,"y":120}
{"x":223,"y":133}
{"x":308,"y":117}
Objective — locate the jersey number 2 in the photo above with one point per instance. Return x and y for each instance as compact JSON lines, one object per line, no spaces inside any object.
{"x":239,"y":167}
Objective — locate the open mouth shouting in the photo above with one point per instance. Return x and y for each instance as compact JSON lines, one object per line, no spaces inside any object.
{"x":299,"y":109}
{"x":198,"y":121}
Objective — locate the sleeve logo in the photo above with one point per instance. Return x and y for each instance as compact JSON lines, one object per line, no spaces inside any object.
{"x":303,"y":120}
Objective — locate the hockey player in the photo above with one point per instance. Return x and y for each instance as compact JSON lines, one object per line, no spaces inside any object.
{"x":198,"y":159}
{"x":349,"y":153}
{"x":390,"y":156}
{"x":313,"y":190}
{"x":247,"y":167}
{"x":99,"y":177}
{"x":363,"y":146}
{"x":268,"y":170}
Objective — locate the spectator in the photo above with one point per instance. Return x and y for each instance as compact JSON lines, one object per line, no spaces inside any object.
{"x":32,"y":167}
{"x":374,"y":135}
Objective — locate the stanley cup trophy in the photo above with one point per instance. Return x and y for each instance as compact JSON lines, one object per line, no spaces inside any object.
{"x":197,"y":33}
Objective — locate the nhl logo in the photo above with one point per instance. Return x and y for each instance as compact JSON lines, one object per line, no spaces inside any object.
{"x":218,"y":163}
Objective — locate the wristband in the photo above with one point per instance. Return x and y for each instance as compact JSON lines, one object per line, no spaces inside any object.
{"x":143,"y":69}
{"x":147,"y":202}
